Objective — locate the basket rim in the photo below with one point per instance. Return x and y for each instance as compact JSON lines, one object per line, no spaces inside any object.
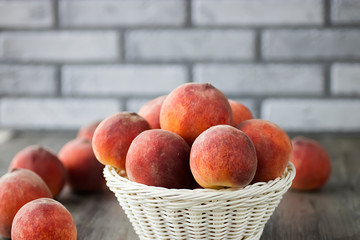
{"x":281,"y":183}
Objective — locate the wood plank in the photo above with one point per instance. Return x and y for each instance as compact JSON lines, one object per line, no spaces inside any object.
{"x":98,"y":216}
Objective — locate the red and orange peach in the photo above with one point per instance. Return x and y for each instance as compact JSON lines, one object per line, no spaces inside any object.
{"x":223,"y":156}
{"x":85,"y":173}
{"x":18,"y":187}
{"x":192,"y":108}
{"x":43,"y":219}
{"x":240,"y":112}
{"x":45,"y":163}
{"x":87,"y":131}
{"x":273,"y":148}
{"x":114,"y":135}
{"x":151,"y":111}
{"x":159,"y":158}
{"x":312,"y":164}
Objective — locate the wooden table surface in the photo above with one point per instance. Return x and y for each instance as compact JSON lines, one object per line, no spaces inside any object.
{"x":331,"y":213}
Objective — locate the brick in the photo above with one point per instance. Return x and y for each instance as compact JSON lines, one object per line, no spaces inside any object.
{"x":122,"y":13}
{"x":313,"y":115}
{"x":345,"y":79}
{"x":311,"y":44}
{"x":345,"y":11}
{"x":175,"y":45}
{"x":122,"y":80}
{"x":257,"y":12}
{"x":59,"y":46}
{"x":263,"y":79}
{"x":26,"y":14}
{"x":51,"y":113}
{"x":27,"y":80}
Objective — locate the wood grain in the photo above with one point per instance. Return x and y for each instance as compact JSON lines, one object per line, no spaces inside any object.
{"x":331,"y":213}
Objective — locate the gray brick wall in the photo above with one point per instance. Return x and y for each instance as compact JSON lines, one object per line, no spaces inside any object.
{"x":66,"y":63}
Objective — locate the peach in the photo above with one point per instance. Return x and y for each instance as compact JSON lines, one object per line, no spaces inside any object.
{"x":312,"y":164}
{"x":42,"y":161}
{"x":151,"y":111}
{"x":273,"y":148}
{"x":85,"y":173}
{"x":18,"y":187}
{"x":87,"y":131}
{"x":113,"y":136}
{"x":192,"y":108}
{"x":223,"y":156}
{"x":43,"y":219}
{"x":240,"y":112}
{"x":159,"y":158}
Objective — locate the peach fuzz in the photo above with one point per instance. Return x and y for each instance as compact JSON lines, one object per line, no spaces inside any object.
{"x":87,"y":131}
{"x":18,"y":187}
{"x":192,"y":108}
{"x":85,"y":173}
{"x":114,"y":135}
{"x":273,"y":148}
{"x":43,"y":219}
{"x":223,"y":156}
{"x":240,"y":112}
{"x":159,"y":158}
{"x":312,"y":164}
{"x":151,"y":111}
{"x":45,"y":163}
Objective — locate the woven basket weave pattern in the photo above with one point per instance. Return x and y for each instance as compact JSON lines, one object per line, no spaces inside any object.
{"x":160,"y":213}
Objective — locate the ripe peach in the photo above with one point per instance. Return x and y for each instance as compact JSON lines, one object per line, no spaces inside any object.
{"x":273,"y":148}
{"x":43,"y":219}
{"x":312,"y":164}
{"x":222,"y":156}
{"x":87,"y":131}
{"x":192,"y":108}
{"x":113,"y":136}
{"x":151,"y":111}
{"x":43,"y":162}
{"x":240,"y":112}
{"x":85,"y":173}
{"x":159,"y":158}
{"x":18,"y":187}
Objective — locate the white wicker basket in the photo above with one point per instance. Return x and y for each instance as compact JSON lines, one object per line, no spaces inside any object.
{"x":160,"y":213}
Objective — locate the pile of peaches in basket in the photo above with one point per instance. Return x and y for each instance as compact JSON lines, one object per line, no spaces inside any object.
{"x":192,"y":138}
{"x":196,"y":137}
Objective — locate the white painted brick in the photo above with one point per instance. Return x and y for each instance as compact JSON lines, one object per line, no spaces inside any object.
{"x":263,"y":79}
{"x":103,"y":80}
{"x":257,"y":12}
{"x":26,"y":14}
{"x":313,"y":114}
{"x":345,"y":11}
{"x":48,"y":113}
{"x":169,"y":45}
{"x":27,"y":80}
{"x":345,"y":79}
{"x":59,"y":46}
{"x":311,"y":44}
{"x":122,"y":13}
